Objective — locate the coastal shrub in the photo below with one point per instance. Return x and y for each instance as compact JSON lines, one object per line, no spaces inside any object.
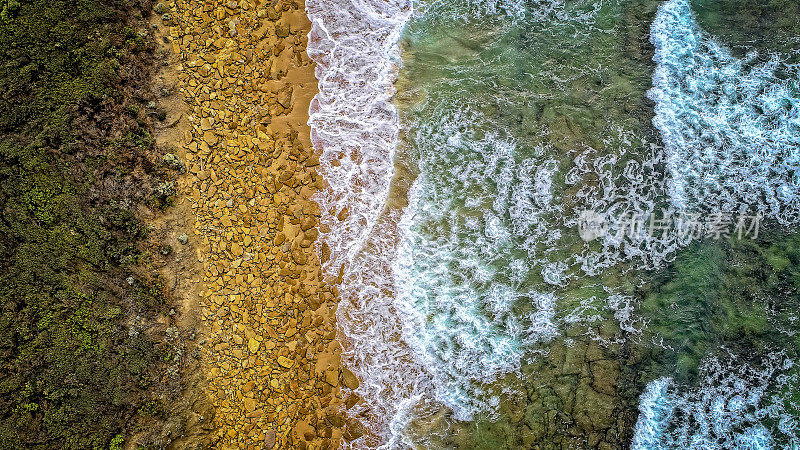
{"x":76,"y":370}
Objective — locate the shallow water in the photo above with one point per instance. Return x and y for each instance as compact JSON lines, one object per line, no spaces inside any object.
{"x":475,"y":309}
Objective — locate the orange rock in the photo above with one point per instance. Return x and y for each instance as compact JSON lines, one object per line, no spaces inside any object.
{"x":256,"y":231}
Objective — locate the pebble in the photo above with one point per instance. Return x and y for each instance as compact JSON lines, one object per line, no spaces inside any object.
{"x":250,"y":181}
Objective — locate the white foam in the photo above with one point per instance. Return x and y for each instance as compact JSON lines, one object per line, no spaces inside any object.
{"x":731,"y":126}
{"x":353,"y":123}
{"x":459,"y":269}
{"x":544,"y":11}
{"x":354,"y":44}
{"x":623,"y":180}
{"x":727,"y":408}
{"x":731,"y":130}
{"x":392,"y":381}
{"x":426,"y":318}
{"x":355,"y":126}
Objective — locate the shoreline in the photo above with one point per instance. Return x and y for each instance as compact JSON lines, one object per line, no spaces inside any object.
{"x":271,"y":358}
{"x":355,"y":122}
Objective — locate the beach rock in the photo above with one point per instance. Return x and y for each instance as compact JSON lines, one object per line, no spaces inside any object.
{"x":272,"y":14}
{"x":311,"y":234}
{"x":605,"y":374}
{"x":285,"y":362}
{"x":284,"y":96}
{"x":282,"y":30}
{"x":251,"y":177}
{"x":308,"y":223}
{"x":353,"y":430}
{"x":253,"y":345}
{"x":249,"y":403}
{"x":335,"y":419}
{"x":349,"y":379}
{"x":269,"y":439}
{"x":332,"y":377}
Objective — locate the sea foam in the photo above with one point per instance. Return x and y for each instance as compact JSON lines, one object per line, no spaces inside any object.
{"x":427,"y":320}
{"x":353,"y":122}
{"x":726,"y":409}
{"x":731,"y":126}
{"x":466,"y":316}
{"x":355,"y":126}
{"x":731,"y":132}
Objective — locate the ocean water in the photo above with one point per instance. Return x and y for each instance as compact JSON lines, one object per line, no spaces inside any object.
{"x":731,"y":126}
{"x":466,"y":142}
{"x":730,"y":409}
{"x":731,"y":132}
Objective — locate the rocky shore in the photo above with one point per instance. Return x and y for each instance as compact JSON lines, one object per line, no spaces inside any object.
{"x":271,"y":356}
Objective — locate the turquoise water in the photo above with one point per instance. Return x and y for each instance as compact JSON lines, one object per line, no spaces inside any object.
{"x":476,"y":310}
{"x":487,"y":253}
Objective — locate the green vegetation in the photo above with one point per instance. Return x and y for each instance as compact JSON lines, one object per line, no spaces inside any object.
{"x":74,"y":142}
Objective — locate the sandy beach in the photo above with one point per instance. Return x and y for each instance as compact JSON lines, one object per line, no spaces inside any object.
{"x":271,"y":356}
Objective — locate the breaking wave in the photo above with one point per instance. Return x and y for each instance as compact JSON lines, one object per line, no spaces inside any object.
{"x":731,"y":126}
{"x":442,"y":296}
{"x":731,"y":131}
{"x":437,"y":299}
{"x":727,"y":409}
{"x":353,"y":122}
{"x":468,"y":312}
{"x":355,"y":126}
